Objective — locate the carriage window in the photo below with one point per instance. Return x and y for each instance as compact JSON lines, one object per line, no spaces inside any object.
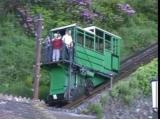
{"x":107,"y":42}
{"x":99,"y":44}
{"x":115,"y":46}
{"x":80,"y":37}
{"x":99,"y":33}
{"x":107,"y":37}
{"x":107,"y":45}
{"x":89,"y":41}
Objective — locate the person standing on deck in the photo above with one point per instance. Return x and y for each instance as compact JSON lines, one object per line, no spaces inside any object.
{"x":68,"y":43}
{"x":57,"y":44}
{"x":48,"y":50}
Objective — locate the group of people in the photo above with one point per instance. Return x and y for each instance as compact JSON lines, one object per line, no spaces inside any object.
{"x":58,"y":47}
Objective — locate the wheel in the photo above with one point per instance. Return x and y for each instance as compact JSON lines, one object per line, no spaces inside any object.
{"x":74,"y":94}
{"x":49,"y":100}
{"x":88,"y":86}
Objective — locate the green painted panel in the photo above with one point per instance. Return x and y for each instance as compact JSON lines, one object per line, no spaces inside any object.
{"x":98,"y":80}
{"x":90,"y":65}
{"x":107,"y":60}
{"x":101,"y":62}
{"x":89,"y":58}
{"x":115,"y":63}
{"x":58,"y":80}
{"x":89,"y":51}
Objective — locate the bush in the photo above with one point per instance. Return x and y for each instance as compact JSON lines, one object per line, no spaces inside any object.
{"x":16,"y":88}
{"x":128,"y":99}
{"x":124,"y":92}
{"x":104,"y":99}
{"x":136,"y":84}
{"x":145,"y":74}
{"x":137,"y":37}
{"x":96,"y":109}
{"x":114,"y":93}
{"x":17,"y":50}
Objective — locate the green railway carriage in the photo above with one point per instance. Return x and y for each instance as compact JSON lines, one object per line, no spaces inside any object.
{"x":95,"y":59}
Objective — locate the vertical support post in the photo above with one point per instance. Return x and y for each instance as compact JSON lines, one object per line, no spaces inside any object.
{"x":112,"y":44}
{"x":104,"y":42}
{"x":84,"y":39}
{"x":111,"y":82}
{"x":70,"y":72}
{"x":38,"y":57}
{"x":94,"y":42}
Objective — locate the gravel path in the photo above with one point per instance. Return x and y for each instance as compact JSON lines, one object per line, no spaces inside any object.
{"x":12,"y":110}
{"x":34,"y":110}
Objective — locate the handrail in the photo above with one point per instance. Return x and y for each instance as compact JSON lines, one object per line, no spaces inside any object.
{"x":72,"y":25}
{"x":106,"y":32}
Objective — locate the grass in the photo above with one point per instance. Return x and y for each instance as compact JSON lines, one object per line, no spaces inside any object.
{"x":136,"y":38}
{"x":96,"y":109}
{"x":104,"y":99}
{"x":17,"y":89}
{"x":136,"y":84}
{"x":126,"y":91}
{"x":17,"y":51}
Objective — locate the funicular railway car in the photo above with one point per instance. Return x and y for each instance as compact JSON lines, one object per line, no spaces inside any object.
{"x":94,"y":59}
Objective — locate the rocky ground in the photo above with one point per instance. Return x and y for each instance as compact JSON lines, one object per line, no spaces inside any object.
{"x":140,"y":108}
{"x":19,"y":108}
{"x":16,"y":110}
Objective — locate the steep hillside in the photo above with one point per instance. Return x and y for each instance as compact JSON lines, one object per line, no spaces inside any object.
{"x":17,"y":54}
{"x":137,"y":25}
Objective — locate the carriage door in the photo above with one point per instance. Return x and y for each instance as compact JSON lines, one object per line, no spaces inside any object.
{"x":115,"y":54}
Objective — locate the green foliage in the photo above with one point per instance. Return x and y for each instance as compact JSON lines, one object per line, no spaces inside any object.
{"x":54,"y":16}
{"x":96,"y":109}
{"x":16,"y":88}
{"x":44,"y":77}
{"x":43,"y":91}
{"x":138,"y":37}
{"x":149,"y":8}
{"x":123,"y":91}
{"x":128,"y":99}
{"x":137,"y":83}
{"x":145,"y":74}
{"x":47,"y":16}
{"x":104,"y":99}
{"x":16,"y":50}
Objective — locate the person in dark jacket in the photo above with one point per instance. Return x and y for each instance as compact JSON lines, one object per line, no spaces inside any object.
{"x":56,"y":44}
{"x":48,"y":50}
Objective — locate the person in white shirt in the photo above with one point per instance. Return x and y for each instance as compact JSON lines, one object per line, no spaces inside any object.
{"x":68,"y":44}
{"x":67,"y":39}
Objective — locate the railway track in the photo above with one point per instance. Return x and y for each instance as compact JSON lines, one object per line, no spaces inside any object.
{"x":142,"y":57}
{"x":128,"y":66}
